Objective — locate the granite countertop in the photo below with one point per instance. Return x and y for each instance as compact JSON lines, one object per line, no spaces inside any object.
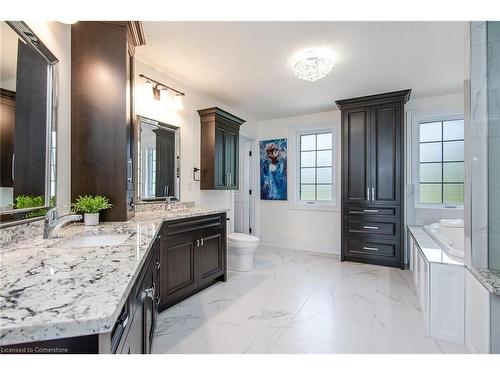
{"x":431,"y":250}
{"x":489,"y":278}
{"x":48,"y":291}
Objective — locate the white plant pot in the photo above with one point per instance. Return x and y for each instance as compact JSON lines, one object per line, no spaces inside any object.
{"x":91,"y":219}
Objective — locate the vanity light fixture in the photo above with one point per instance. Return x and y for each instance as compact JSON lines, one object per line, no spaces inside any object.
{"x":68,"y":21}
{"x":148,"y":87}
{"x":160,"y":92}
{"x":312,"y":64}
{"x":177,"y":103}
{"x":164,"y":98}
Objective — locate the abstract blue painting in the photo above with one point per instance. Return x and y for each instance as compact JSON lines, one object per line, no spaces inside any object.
{"x":273,"y":176}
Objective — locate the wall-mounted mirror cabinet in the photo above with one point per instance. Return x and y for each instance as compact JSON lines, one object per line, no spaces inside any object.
{"x":159,"y":160}
{"x":28,"y":102}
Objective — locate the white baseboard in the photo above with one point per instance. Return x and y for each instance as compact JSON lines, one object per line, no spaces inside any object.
{"x":315,"y":246}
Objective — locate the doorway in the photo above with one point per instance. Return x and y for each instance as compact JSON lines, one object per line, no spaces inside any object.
{"x":243,"y":198}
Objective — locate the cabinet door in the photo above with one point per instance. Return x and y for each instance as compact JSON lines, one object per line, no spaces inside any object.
{"x":148,"y":307}
{"x":211,"y":256}
{"x":385,"y":154}
{"x":220,"y":175}
{"x":132,"y":343}
{"x":231,"y":162}
{"x":356,"y":155}
{"x":179,"y":275}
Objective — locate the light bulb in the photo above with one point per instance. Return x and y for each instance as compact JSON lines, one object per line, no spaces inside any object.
{"x":148,"y":89}
{"x":165,"y":98}
{"x":148,"y":85}
{"x":178,"y":102}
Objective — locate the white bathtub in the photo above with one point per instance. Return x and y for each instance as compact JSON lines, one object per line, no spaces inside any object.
{"x":449,"y":234}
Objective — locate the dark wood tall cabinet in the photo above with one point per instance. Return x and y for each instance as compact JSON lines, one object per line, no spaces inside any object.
{"x":103,"y":125}
{"x":373,"y":178}
{"x":220,"y":132}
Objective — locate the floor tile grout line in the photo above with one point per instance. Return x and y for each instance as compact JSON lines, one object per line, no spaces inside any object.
{"x":293,"y":317}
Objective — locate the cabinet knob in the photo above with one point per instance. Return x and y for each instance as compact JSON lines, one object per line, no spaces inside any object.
{"x":148,"y":293}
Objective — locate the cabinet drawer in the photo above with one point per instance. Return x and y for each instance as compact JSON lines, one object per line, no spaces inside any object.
{"x":361,"y":248}
{"x":193,"y":224}
{"x":355,"y":226}
{"x":368,"y":210}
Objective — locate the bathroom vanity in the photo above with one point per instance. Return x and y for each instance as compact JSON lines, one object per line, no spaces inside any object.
{"x":66,"y":298}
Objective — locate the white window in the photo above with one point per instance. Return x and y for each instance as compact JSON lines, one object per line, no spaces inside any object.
{"x":316,"y":172}
{"x":441,"y":161}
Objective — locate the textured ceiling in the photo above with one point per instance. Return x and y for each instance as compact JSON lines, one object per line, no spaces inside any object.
{"x":246,"y":64}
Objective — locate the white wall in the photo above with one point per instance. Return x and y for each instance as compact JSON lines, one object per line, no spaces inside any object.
{"x":57,"y":37}
{"x":188,"y":121}
{"x":282,"y":223}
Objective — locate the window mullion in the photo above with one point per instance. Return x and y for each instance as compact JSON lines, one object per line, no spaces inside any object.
{"x":316,"y":167}
{"x":442,"y":162}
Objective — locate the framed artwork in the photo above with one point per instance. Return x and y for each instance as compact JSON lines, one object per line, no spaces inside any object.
{"x":273,"y":169}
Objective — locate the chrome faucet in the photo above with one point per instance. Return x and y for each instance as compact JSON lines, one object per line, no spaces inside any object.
{"x":54,"y":221}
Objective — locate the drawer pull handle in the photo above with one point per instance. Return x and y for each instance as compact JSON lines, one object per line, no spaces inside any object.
{"x":364,"y":211}
{"x":370,"y":227}
{"x":370,"y":248}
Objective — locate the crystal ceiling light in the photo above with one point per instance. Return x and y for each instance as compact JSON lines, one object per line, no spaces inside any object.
{"x":312,"y":64}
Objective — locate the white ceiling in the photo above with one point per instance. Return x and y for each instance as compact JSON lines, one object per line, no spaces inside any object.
{"x":246,"y":64}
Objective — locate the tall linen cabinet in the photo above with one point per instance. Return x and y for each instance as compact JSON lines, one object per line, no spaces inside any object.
{"x":373,"y":178}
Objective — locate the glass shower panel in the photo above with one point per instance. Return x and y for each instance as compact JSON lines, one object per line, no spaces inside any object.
{"x":493,"y":85}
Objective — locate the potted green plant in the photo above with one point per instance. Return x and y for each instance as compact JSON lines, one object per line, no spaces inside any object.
{"x":90,"y":206}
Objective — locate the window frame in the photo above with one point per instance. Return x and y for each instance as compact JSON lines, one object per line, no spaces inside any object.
{"x":326,"y":204}
{"x":417,"y":120}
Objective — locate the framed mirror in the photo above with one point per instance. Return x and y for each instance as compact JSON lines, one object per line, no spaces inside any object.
{"x":159,"y":161}
{"x":28,"y":102}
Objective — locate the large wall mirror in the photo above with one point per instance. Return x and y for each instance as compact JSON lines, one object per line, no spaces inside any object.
{"x":159,"y":161}
{"x":27,"y":125}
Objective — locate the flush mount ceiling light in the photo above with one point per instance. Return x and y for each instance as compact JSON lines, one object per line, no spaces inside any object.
{"x":312,"y":64}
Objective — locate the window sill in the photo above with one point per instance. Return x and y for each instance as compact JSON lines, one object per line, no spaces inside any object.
{"x":438,"y":207}
{"x":313,"y":207}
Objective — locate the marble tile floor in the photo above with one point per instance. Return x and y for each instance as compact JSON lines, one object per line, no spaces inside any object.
{"x":297,"y":302}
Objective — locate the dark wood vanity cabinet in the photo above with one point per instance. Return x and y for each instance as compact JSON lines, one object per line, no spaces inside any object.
{"x":220,"y":132}
{"x":186,"y":256}
{"x":139,"y":313}
{"x":373,"y":178}
{"x":193,"y":256}
{"x":103,"y":126}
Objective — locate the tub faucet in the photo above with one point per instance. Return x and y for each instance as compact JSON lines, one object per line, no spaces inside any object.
{"x":54,"y":221}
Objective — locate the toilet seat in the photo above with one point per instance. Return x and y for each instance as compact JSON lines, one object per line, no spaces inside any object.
{"x":242,"y":238}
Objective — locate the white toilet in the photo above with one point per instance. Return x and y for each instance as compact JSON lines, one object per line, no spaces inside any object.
{"x":240,"y":249}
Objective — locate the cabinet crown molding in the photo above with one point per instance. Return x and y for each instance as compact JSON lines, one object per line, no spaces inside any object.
{"x":401,"y":95}
{"x":220,"y":112}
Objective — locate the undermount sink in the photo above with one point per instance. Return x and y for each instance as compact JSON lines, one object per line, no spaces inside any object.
{"x":96,"y":241}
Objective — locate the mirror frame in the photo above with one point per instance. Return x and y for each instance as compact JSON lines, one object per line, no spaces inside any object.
{"x":30,"y":38}
{"x":144,"y":119}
